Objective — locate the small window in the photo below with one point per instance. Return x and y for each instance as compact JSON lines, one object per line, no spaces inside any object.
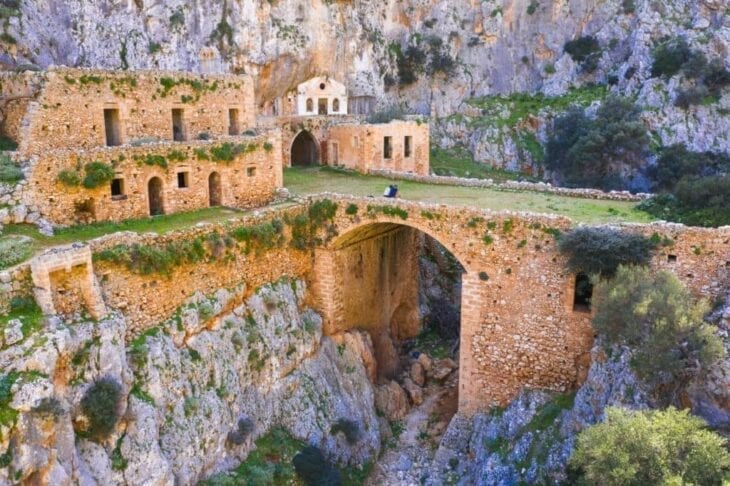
{"x":112,"y":127}
{"x":387,"y":147}
{"x":322,"y":106}
{"x":322,"y":86}
{"x":671,"y":258}
{"x":583,"y":293}
{"x":407,"y":141}
{"x":178,"y":130}
{"x":251,"y":171}
{"x":233,"y":121}
{"x":118,"y":188}
{"x":310,"y":105}
{"x":183,"y":180}
{"x":336,"y":105}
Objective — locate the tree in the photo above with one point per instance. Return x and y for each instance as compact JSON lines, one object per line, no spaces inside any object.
{"x":659,"y":319}
{"x":586,"y":152}
{"x":600,"y":251}
{"x":650,"y":447}
{"x":676,"y":162}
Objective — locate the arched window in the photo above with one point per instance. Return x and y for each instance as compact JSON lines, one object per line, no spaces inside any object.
{"x":336,"y":105}
{"x":310,"y":105}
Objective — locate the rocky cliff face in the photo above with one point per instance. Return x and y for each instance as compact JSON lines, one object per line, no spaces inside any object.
{"x":494,"y":47}
{"x":188,"y":386}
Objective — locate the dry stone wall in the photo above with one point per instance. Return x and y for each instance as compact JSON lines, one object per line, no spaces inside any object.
{"x":247,"y":176}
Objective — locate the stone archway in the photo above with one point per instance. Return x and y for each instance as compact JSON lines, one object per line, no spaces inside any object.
{"x":304,"y":150}
{"x":155,"y":196}
{"x":215,"y":191}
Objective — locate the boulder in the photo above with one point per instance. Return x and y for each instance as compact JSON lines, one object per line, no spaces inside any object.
{"x":425,"y":361}
{"x":442,"y":368}
{"x":415,"y":392}
{"x":418,"y":375}
{"x":13,"y":332}
{"x":391,"y":400}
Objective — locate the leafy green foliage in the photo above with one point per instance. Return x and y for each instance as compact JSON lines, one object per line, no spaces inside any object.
{"x":676,"y":162}
{"x":349,"y":428}
{"x":314,"y":470}
{"x":146,"y":259}
{"x":97,"y":174}
{"x":660,"y":320}
{"x":7,"y":414}
{"x":13,"y":250}
{"x":636,"y":448}
{"x":69,"y":177}
{"x":8,"y":144}
{"x":9,"y":172}
{"x":595,"y":152}
{"x":351,"y":209}
{"x":670,"y":56}
{"x":600,"y":251}
{"x":100,"y":405}
{"x":586,"y":51}
{"x":260,"y":237}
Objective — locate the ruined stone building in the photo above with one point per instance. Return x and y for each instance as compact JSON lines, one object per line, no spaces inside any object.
{"x":108,"y":146}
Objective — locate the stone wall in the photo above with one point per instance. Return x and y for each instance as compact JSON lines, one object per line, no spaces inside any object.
{"x":17,"y":90}
{"x":69,"y":113}
{"x":362,"y":147}
{"x":249,"y":179}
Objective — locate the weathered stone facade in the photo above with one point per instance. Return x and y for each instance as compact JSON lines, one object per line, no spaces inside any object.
{"x":79,"y":109}
{"x":158,"y":179}
{"x":400,"y":146}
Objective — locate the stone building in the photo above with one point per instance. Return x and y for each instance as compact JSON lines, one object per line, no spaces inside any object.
{"x":321,"y":96}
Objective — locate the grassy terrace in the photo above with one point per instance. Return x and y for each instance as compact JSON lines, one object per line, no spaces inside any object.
{"x":314,"y":180}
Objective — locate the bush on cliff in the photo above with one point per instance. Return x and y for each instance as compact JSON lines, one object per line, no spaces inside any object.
{"x":661,"y":322}
{"x":314,"y":470}
{"x":600,"y":251}
{"x":650,"y":447}
{"x":586,"y":51}
{"x":598,"y":152}
{"x":100,"y":405}
{"x":9,"y":172}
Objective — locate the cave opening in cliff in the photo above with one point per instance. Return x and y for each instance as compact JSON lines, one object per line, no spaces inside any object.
{"x":403,"y":288}
{"x":304,"y":150}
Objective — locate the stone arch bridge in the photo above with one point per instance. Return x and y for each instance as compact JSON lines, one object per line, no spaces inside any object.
{"x":519,"y":327}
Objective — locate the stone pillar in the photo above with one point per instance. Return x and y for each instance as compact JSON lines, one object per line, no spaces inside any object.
{"x":471,"y":397}
{"x":325,"y":289}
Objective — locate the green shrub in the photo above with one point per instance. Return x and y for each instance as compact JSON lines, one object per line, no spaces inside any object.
{"x":532,"y":7}
{"x":676,"y":162}
{"x":586,"y":51}
{"x":100,"y":405}
{"x":637,"y":448}
{"x":695,"y":95}
{"x":8,"y":144}
{"x":69,"y":177}
{"x":660,"y":320}
{"x":9,"y":172}
{"x":628,"y":6}
{"x":14,"y":249}
{"x":697,"y":201}
{"x":351,"y":209}
{"x":97,"y":174}
{"x":314,"y":470}
{"x":600,"y":251}
{"x":669,"y":57}
{"x":349,"y":428}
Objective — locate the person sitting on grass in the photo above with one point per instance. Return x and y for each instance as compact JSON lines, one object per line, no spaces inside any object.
{"x":391,"y":191}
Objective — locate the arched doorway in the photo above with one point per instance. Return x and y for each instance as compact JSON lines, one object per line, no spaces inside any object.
{"x":215,"y":197}
{"x":155,"y":197}
{"x":304,"y":150}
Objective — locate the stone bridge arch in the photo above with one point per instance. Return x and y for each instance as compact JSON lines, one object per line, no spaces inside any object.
{"x":518,"y":328}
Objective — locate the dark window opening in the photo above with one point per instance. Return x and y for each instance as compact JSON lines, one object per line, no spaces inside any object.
{"x":182,"y":180}
{"x":178,"y":131}
{"x":118,"y":189}
{"x":251,"y":171}
{"x":671,"y":258}
{"x":233,"y":121}
{"x":583,"y":293}
{"x":215,"y":194}
{"x":387,"y":147}
{"x":407,"y":146}
{"x":322,"y":86}
{"x":322,"y":106}
{"x":335,"y":105}
{"x":310,"y":105}
{"x":155,"y":196}
{"x":112,"y":127}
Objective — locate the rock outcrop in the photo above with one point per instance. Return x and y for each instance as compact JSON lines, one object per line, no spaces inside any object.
{"x":197,"y":391}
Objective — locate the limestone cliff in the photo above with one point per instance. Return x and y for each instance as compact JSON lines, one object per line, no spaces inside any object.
{"x":187,"y":387}
{"x":486,"y":48}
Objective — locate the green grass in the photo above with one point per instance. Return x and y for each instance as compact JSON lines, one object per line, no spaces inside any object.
{"x":314,"y":180}
{"x":29,"y":314}
{"x":458,"y":162}
{"x":157,"y":224}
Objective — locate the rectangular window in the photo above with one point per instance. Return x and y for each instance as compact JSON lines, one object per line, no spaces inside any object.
{"x":407,"y":146}
{"x":178,"y":130}
{"x":182,"y":180}
{"x":251,"y":171}
{"x":582,"y":293}
{"x":233,"y":121}
{"x":387,"y":147}
{"x":335,"y":153}
{"x":118,"y":189}
{"x":112,"y":127}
